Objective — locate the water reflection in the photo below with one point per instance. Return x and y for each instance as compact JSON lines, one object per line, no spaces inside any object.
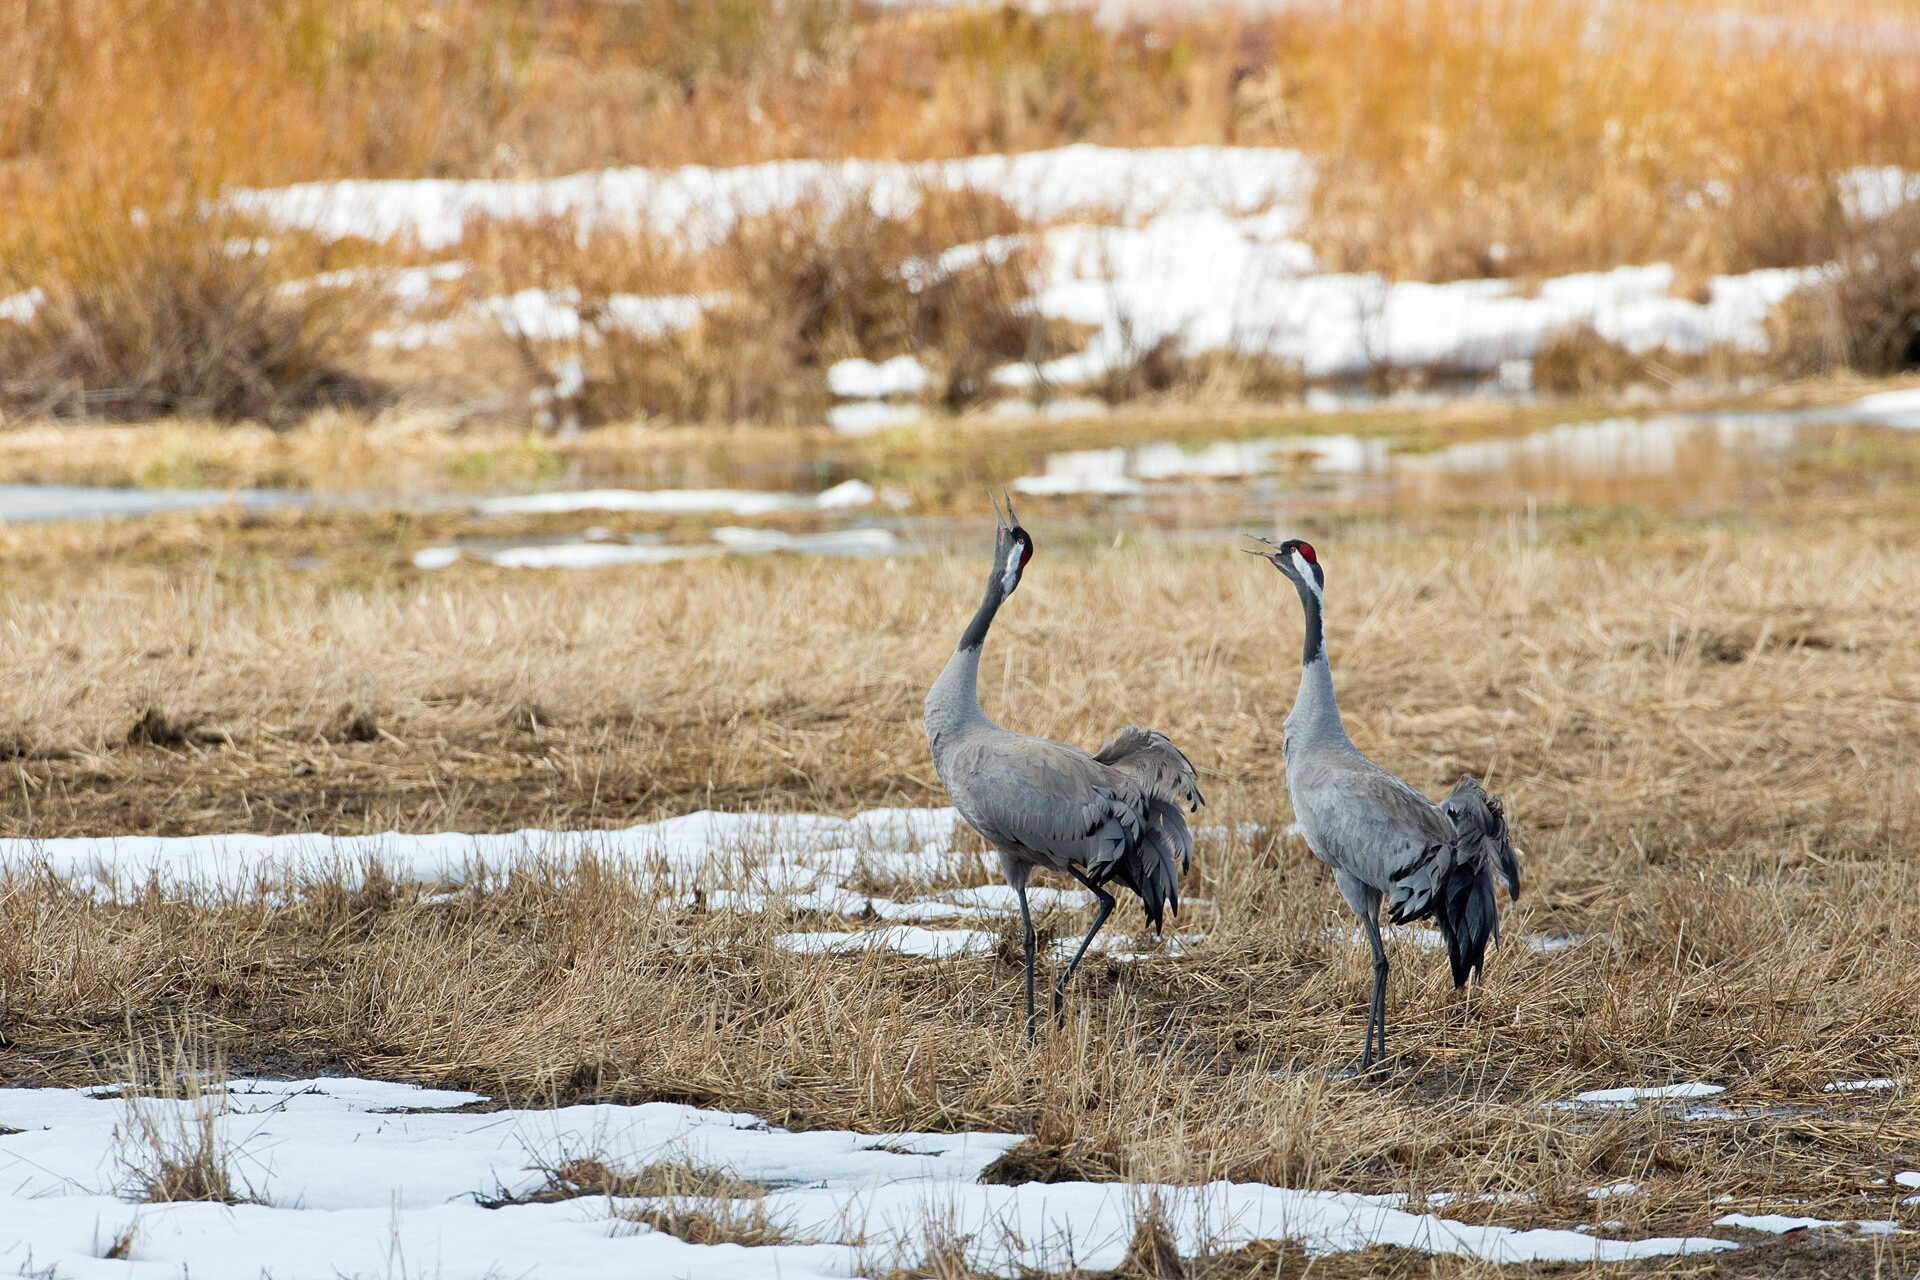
{"x":1682,"y":446}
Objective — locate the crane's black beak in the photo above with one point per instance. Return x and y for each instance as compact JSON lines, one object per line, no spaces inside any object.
{"x":1267,"y":550}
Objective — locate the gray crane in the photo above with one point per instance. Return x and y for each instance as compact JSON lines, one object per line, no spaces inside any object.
{"x":1382,"y":838}
{"x":1109,"y":818}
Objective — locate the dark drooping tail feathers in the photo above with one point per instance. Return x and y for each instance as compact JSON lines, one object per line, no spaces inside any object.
{"x":1152,"y":868}
{"x":1466,"y":911}
{"x":1479,"y":818}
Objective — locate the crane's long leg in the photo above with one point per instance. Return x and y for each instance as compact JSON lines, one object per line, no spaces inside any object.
{"x":1377,"y":1010}
{"x":1026,"y":920}
{"x":1099,"y":919}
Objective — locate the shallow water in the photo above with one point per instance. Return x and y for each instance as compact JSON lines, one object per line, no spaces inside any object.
{"x":28,"y":503}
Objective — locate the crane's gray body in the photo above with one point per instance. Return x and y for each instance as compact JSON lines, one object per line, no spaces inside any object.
{"x":1384,"y":840}
{"x":1042,"y":803}
{"x":1113,"y":816}
{"x":1381,"y":837}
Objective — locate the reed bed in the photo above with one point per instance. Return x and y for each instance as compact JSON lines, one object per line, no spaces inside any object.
{"x":1520,"y":139}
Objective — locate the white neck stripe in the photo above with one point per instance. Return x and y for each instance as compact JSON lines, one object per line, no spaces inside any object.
{"x":1306,"y":574}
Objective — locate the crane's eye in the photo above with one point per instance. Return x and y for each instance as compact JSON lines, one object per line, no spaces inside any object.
{"x":1026,"y":549}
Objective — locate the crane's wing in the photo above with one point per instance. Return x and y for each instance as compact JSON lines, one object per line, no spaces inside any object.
{"x":1069,"y":808}
{"x":1153,"y":760}
{"x":1052,"y":800}
{"x":1380,"y":830}
{"x":1480,"y":823}
{"x":1166,"y":776}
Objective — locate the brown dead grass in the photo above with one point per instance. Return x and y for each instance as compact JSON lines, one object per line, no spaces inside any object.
{"x":1703,"y":733}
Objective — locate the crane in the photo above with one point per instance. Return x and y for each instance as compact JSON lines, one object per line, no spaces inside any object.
{"x":1112,"y":817}
{"x":1384,"y":840}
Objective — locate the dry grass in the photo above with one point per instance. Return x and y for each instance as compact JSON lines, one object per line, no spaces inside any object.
{"x":1533,"y":137}
{"x":155,"y":303}
{"x":1518,"y":138}
{"x":1703,"y":733}
{"x":1866,"y":314}
{"x":790,"y":293}
{"x":170,"y":1144}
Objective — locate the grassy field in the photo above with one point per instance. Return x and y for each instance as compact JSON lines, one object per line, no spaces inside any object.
{"x":1700,"y":716}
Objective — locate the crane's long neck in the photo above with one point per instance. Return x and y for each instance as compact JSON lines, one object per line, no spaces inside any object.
{"x":1316,"y":713}
{"x":954,"y":700}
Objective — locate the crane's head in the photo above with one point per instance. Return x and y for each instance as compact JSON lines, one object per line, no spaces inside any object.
{"x":1012,"y":546}
{"x":1295,"y":558}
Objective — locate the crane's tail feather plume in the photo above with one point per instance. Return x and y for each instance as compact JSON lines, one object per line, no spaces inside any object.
{"x":1153,"y":865}
{"x":1153,"y":870}
{"x":1480,"y":817}
{"x":1469,"y":918}
{"x":1455,"y":883}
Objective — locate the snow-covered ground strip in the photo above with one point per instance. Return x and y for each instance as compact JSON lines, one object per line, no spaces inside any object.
{"x":1195,"y":245}
{"x":907,"y":940}
{"x":739,"y":863}
{"x":736,"y":502}
{"x":1213,"y":281}
{"x":698,"y":850}
{"x":360,"y":1178}
{"x":595,"y":553}
{"x":699,"y":205}
{"x":1626,"y":1097}
{"x":1888,"y":409}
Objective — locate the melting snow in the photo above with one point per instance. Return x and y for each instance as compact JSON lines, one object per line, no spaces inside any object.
{"x":864,"y":417}
{"x":358,"y":1175}
{"x":1195,"y":245}
{"x":22,"y":307}
{"x":1860,"y":1086}
{"x":1657,"y":1093}
{"x":592,"y":553}
{"x":1888,"y":408}
{"x":705,"y":848}
{"x":701,"y":204}
{"x":738,"y":502}
{"x":1780,"y":1224}
{"x":1214,"y":281}
{"x":910,"y":940}
{"x":865,"y":380}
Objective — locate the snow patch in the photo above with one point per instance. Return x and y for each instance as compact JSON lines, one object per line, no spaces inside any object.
{"x":357,"y":1173}
{"x":1655,"y":1093}
{"x":1862,"y":1086}
{"x":1781,"y":1224}
{"x":736,"y":502}
{"x":22,"y":307}
{"x":699,"y":205}
{"x":1888,"y":408}
{"x":909,"y":940}
{"x":865,"y":380}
